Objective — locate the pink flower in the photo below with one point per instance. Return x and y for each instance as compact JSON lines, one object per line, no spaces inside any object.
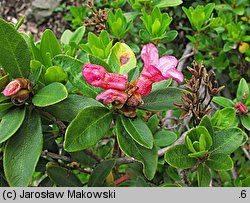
{"x":156,"y":69}
{"x":113,"y":83}
{"x":112,"y":95}
{"x":99,"y":77}
{"x":243,"y":109}
{"x":12,"y":88}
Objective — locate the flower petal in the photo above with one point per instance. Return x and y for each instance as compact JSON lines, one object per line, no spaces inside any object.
{"x":175,"y":74}
{"x":12,"y":88}
{"x":112,"y":95}
{"x":167,"y":62}
{"x":99,"y":77}
{"x":149,"y":55}
{"x":148,"y":76}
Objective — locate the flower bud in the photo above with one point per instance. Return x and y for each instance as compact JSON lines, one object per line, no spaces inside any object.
{"x":112,"y":95}
{"x":99,"y":77}
{"x":241,"y":107}
{"x":20,"y":98}
{"x":12,"y":88}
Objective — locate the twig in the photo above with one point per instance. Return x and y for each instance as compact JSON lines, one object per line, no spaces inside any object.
{"x":183,"y":59}
{"x":233,"y":172}
{"x":122,"y":179}
{"x":56,"y":156}
{"x":125,"y":160}
{"x":245,"y":152}
{"x":93,"y":154}
{"x":181,"y":140}
{"x":62,"y":127}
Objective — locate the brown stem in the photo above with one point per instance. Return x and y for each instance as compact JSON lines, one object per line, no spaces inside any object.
{"x":93,"y":154}
{"x":122,"y":179}
{"x":62,"y":127}
{"x":56,"y":156}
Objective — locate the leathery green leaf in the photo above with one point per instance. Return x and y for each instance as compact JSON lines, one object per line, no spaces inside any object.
{"x":89,"y":126}
{"x":23,"y":150}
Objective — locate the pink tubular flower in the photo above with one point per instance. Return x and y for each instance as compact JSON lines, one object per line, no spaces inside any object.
{"x":156,"y":69}
{"x":12,"y":88}
{"x":114,"y":84}
{"x":99,"y":77}
{"x":112,"y":95}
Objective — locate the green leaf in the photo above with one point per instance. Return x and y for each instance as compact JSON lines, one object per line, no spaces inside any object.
{"x":148,"y":157}
{"x":170,"y":36}
{"x":243,"y":90}
{"x":153,"y":123}
{"x":50,"y":94}
{"x":15,"y":54}
{"x":199,"y":154}
{"x":223,"y":118}
{"x":223,"y":101}
{"x":77,"y":35}
{"x":164,"y":138}
{"x":177,"y":157}
{"x":5,"y":106}
{"x":205,"y":121}
{"x":4,"y":80}
{"x":219,"y":162}
{"x":139,"y":131}
{"x":55,"y":74}
{"x":83,"y":158}
{"x":245,"y":120}
{"x":23,"y":150}
{"x":62,"y":176}
{"x":11,"y":122}
{"x":74,"y":69}
{"x":95,"y":60}
{"x":122,"y":58}
{"x":204,"y":176}
{"x":89,"y":126}
{"x":100,"y":172}
{"x":49,"y":44}
{"x":169,"y":3}
{"x":173,"y":174}
{"x":246,"y":182}
{"x":228,"y":140}
{"x":66,"y":36}
{"x":68,"y":109}
{"x":144,"y":35}
{"x":162,"y":99}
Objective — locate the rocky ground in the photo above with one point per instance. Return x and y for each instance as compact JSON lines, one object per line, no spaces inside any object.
{"x":39,"y":14}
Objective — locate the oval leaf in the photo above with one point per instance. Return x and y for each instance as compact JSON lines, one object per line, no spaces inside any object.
{"x":89,"y":126}
{"x":15,"y":54}
{"x":62,"y":176}
{"x":11,"y":122}
{"x":228,"y":140}
{"x":74,"y":69}
{"x":49,"y":44}
{"x":148,"y":157}
{"x":164,"y":138}
{"x":162,"y":99}
{"x":5,"y":106}
{"x":100,"y":172}
{"x":68,"y":109}
{"x":50,"y":94}
{"x":139,"y":131}
{"x":204,"y":176}
{"x":23,"y":150}
{"x":177,"y":157}
{"x":219,"y":162}
{"x":122,"y":58}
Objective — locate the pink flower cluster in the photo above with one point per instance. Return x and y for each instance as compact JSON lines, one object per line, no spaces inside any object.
{"x":155,"y":70}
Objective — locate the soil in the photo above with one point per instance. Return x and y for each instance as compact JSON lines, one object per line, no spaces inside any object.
{"x":12,"y":10}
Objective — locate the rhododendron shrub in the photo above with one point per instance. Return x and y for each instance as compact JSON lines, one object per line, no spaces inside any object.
{"x":119,"y":102}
